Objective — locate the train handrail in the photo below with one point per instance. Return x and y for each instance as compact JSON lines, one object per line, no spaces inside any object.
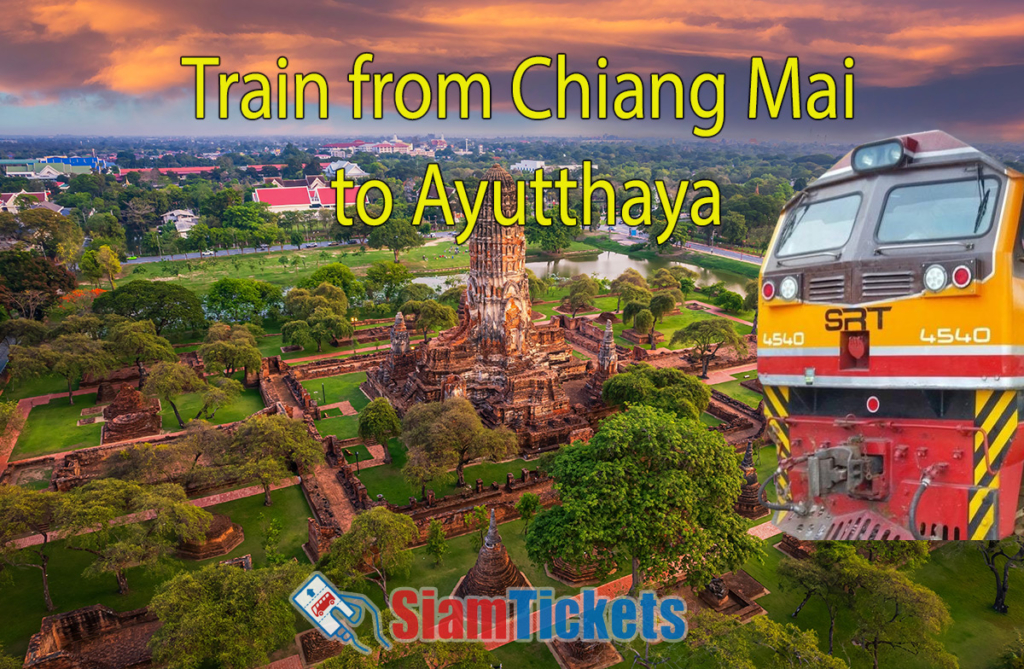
{"x":851,"y":421}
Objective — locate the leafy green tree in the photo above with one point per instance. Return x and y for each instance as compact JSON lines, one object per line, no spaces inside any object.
{"x":137,"y":342}
{"x":550,"y":238}
{"x":451,"y":431}
{"x":582,"y":291}
{"x":663,"y":278}
{"x":379,"y":422}
{"x":430,"y":316}
{"x":218,"y":392}
{"x":266,"y":445}
{"x":167,"y":305}
{"x":59,"y":237}
{"x":437,"y":543}
{"x":667,"y":389}
{"x":300,"y":303}
{"x":378,"y":538}
{"x":169,"y":380}
{"x":661,"y":303}
{"x":707,"y":336}
{"x":224,"y":616}
{"x":23,"y":272}
{"x":396,"y":235}
{"x":416,"y":292}
{"x":90,"y":266}
{"x":93,"y":513}
{"x":9,"y":661}
{"x":729,"y":301}
{"x":538,"y":287}
{"x":1000,"y":557}
{"x":908,"y":555}
{"x":478,"y":521}
{"x":527,"y":506}
{"x":28,"y":513}
{"x":651,"y":494}
{"x":338,"y":275}
{"x":643,"y":324}
{"x":1012,"y":656}
{"x":242,"y":300}
{"x":387,"y":279}
{"x":631,"y":309}
{"x":832,"y":574}
{"x":228,"y":348}
{"x":895,"y":614}
{"x":69,"y":356}
{"x":687,"y":286}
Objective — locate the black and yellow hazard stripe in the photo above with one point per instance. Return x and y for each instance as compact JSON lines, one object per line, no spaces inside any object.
{"x":776,"y":408}
{"x":996,"y":415}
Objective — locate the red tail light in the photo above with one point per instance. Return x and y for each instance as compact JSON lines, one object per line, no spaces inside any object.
{"x":768,"y":290}
{"x":962,"y":276}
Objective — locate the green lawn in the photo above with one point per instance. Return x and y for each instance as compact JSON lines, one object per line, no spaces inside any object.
{"x":387,"y":480}
{"x":734,"y":390}
{"x":342,"y":427}
{"x":36,"y":386}
{"x":18,"y":622}
{"x":248,"y":403}
{"x":709,"y":420}
{"x":339,"y":389}
{"x":53,"y":428}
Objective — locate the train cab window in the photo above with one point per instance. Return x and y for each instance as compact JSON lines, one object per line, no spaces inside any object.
{"x":937,"y":211}
{"x":819,"y":226}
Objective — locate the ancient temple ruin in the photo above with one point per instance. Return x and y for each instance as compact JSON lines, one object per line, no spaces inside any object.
{"x":494,"y":572}
{"x":131,"y":416}
{"x":748,"y":504}
{"x":515,"y":372}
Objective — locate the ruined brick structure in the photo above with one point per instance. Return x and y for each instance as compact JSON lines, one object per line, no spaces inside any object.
{"x":494,"y":572}
{"x":222,"y":537}
{"x":131,"y":416}
{"x":515,"y":372}
{"x":748,"y":504}
{"x":607,"y":365}
{"x":93,"y":638}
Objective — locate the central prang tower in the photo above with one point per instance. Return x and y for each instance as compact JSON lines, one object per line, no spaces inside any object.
{"x":497,"y":291}
{"x":517,"y":373}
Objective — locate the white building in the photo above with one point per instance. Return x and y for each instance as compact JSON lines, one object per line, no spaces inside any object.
{"x":351,"y":170}
{"x":183,"y":219}
{"x":528,"y":166}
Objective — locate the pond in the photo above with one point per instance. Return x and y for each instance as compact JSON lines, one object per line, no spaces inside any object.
{"x":606,"y":264}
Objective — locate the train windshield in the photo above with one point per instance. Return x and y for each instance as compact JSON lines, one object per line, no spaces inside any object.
{"x":937,"y":211}
{"x":819,"y":226}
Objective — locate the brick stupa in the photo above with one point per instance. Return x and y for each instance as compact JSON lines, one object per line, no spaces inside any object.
{"x":516,"y":373}
{"x":494,"y":572}
{"x":748,"y":504}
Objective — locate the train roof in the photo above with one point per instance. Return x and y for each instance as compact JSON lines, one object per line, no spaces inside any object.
{"x":931,"y":148}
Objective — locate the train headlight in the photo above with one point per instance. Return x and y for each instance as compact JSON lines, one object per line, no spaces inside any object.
{"x":768,"y":290}
{"x":935,"y":278}
{"x":878,"y":156}
{"x":788,"y":288}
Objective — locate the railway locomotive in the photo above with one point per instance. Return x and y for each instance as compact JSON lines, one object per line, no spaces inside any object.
{"x":891,"y":346}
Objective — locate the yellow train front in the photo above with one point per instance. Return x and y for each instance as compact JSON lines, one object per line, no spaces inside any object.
{"x":891,"y":346}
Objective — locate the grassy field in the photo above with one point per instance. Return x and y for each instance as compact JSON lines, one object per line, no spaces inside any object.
{"x":734,"y":390}
{"x":248,"y":403}
{"x":36,"y":386}
{"x":53,"y":428}
{"x":71,"y":591}
{"x":339,"y":389}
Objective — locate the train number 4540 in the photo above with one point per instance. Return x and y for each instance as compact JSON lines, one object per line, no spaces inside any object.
{"x":782,"y":339}
{"x":956,"y":336}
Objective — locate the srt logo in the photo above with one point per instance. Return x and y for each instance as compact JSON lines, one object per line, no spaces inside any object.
{"x":854,"y":319}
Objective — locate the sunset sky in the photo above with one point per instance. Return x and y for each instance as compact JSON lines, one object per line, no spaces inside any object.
{"x":111,"y":67}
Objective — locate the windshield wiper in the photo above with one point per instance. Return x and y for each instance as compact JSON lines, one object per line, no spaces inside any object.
{"x":790,"y":225}
{"x":982,"y":208}
{"x":896,"y":247}
{"x":835,"y":255}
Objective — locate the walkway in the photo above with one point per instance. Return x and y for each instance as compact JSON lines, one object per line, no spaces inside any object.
{"x":724,"y":253}
{"x":10,"y":439}
{"x":717,"y":311}
{"x":725,"y":375}
{"x":201,"y":502}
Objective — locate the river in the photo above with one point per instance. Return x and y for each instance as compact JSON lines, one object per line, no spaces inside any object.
{"x":606,"y":264}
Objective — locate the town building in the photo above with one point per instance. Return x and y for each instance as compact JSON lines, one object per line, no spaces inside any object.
{"x":301,"y":198}
{"x":183,"y":220}
{"x":8,"y":201}
{"x":351,"y":170}
{"x":527,"y":166}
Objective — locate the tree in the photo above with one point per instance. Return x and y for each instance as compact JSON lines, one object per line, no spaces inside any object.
{"x":650,"y":493}
{"x":687,"y":286}
{"x":228,"y":348}
{"x":93,"y":515}
{"x":242,"y":300}
{"x":137,"y":342}
{"x":217,"y":393}
{"x":168,"y":305}
{"x":267,"y":444}
{"x":667,"y":389}
{"x":68,"y":356}
{"x":58,"y":236}
{"x":300,"y":303}
{"x":9,"y":661}
{"x":631,"y":309}
{"x":437,"y":543}
{"x":90,"y":266}
{"x":430,"y":316}
{"x":477,"y":521}
{"x":894,"y":613}
{"x":832,"y":575}
{"x":416,"y":292}
{"x":22,"y":271}
{"x":907,"y":555}
{"x":379,"y":422}
{"x":729,"y":301}
{"x":1011,"y":553}
{"x":1013,"y":655}
{"x":551,"y":238}
{"x":707,"y":336}
{"x":630,"y":293}
{"x":224,"y":616}
{"x":527,"y":506}
{"x":322,"y":325}
{"x":451,"y":430}
{"x":661,"y":304}
{"x":338,"y":275}
{"x":582,"y":291}
{"x":25,"y":512}
{"x":664,"y":278}
{"x":387,"y":279}
{"x":395,"y":235}
{"x":106,"y":259}
{"x":168,"y":380}
{"x":643,"y":323}
{"x":378,"y":538}
{"x":720,"y":641}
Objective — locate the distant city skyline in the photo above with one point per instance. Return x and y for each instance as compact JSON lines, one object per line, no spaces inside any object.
{"x":101,"y":67}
